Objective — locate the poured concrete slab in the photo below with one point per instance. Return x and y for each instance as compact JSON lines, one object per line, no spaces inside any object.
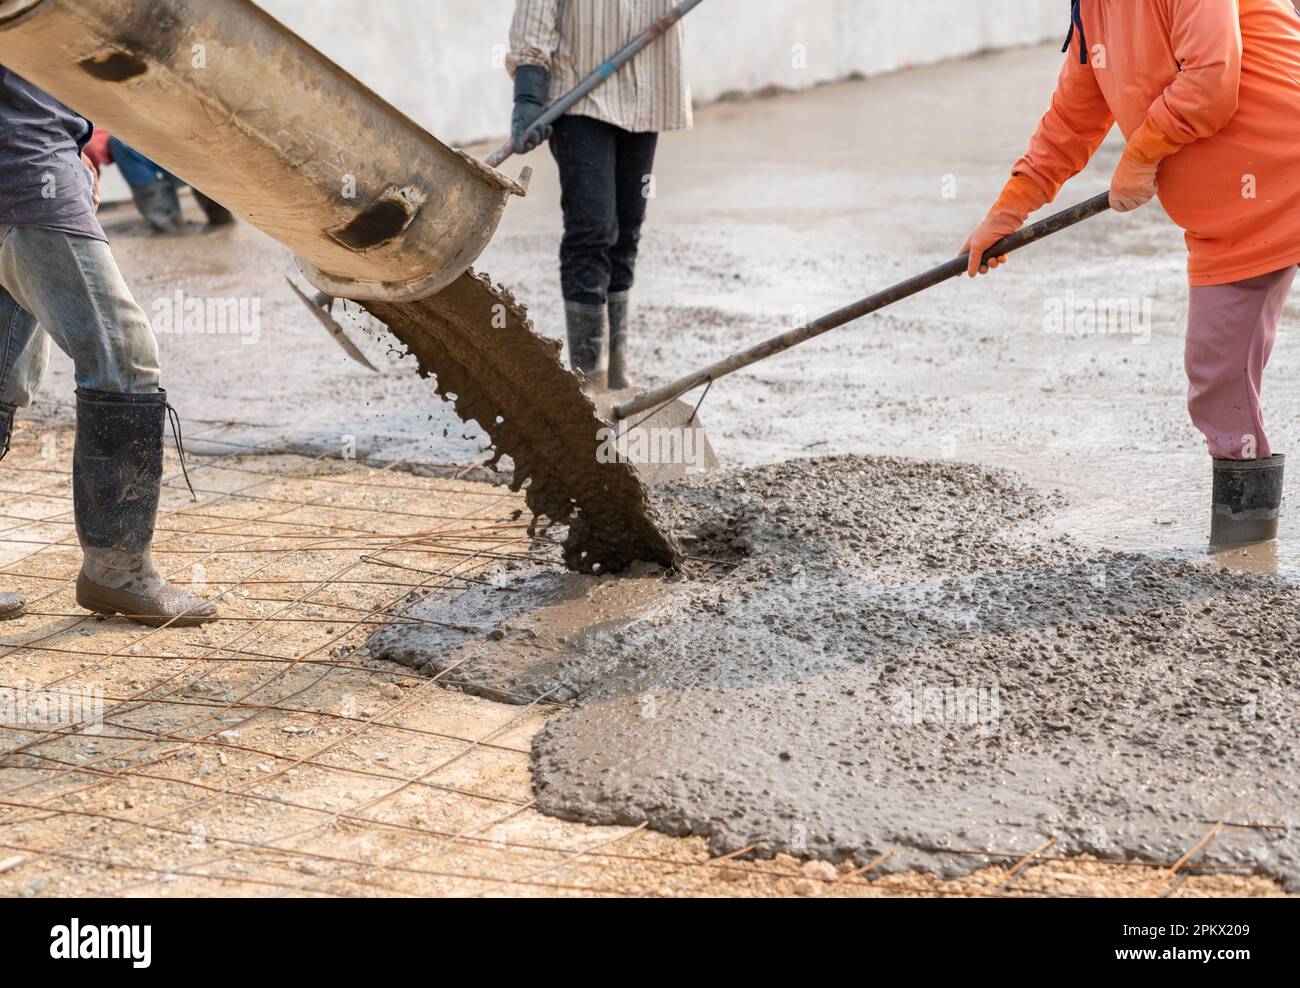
{"x":906,"y":655}
{"x":911,"y":660}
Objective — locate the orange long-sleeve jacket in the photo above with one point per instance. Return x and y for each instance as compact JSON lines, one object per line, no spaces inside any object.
{"x":1219,"y":77}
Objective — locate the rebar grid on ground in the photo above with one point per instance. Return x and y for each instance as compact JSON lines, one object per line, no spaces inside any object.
{"x":286,"y":666}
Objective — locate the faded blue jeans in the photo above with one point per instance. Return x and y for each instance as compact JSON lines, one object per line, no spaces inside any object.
{"x":71,"y":287}
{"x":136,"y":169}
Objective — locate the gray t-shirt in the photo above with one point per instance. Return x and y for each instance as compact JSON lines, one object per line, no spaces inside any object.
{"x":43,"y":181}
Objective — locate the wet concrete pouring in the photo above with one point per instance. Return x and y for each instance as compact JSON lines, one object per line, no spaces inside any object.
{"x":476,"y":340}
{"x":901,"y":655}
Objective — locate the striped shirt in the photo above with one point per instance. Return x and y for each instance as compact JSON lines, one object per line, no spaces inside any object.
{"x":571,"y":38}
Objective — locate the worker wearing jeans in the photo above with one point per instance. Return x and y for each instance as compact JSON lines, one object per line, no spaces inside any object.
{"x":1208,"y":96}
{"x":58,"y":281}
{"x":155,"y":191}
{"x":68,"y":287}
{"x":604,"y":148}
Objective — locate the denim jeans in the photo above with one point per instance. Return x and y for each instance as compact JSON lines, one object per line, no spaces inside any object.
{"x":71,"y":286}
{"x":603,"y":174}
{"x":136,"y":169}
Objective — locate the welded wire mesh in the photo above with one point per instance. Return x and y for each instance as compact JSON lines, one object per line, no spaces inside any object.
{"x":270,"y":754}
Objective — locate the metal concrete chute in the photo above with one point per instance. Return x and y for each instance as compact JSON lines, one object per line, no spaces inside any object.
{"x":230,"y":100}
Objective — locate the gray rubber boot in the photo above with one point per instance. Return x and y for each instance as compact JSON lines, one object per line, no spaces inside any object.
{"x":1247,"y":501}
{"x":619,"y":305}
{"x":160,"y":205}
{"x":116,"y":481}
{"x":586,"y":328}
{"x":11,"y":604}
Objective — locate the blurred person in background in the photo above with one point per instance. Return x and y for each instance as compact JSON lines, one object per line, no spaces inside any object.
{"x":154,"y":189}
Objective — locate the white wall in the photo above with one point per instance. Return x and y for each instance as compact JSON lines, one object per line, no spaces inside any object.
{"x":440,"y":60}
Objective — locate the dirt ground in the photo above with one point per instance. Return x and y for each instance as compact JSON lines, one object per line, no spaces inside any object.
{"x":270,"y":754}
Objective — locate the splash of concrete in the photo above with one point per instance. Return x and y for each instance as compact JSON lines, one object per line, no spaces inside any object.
{"x":479,"y":344}
{"x":511,"y":638}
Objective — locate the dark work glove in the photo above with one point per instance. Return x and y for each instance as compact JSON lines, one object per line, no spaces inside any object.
{"x":532,"y":87}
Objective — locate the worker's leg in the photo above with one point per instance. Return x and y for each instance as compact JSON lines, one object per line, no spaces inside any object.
{"x":217,"y":214}
{"x":154,"y":191}
{"x":634,"y":181}
{"x":24,"y":353}
{"x":585,"y":151}
{"x":135,"y":167}
{"x":152,"y":188}
{"x":72,"y":286}
{"x":1230,"y":335}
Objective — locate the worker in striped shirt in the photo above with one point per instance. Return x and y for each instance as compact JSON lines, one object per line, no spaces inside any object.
{"x":605,"y":150}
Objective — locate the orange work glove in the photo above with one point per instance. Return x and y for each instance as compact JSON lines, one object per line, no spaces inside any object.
{"x":1134,"y":183}
{"x":1019,"y":198}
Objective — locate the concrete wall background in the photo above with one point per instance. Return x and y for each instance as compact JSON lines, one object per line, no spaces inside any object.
{"x":440,"y":61}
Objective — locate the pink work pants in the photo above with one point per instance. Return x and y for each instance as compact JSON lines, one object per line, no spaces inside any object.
{"x":1230,"y":334}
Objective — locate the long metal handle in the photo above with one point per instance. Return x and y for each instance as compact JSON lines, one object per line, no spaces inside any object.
{"x":912,"y":286}
{"x":598,"y":78}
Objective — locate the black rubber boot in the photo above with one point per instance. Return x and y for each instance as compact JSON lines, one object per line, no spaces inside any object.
{"x":7,"y":413}
{"x":217,"y":214}
{"x":618,"y":316}
{"x":586,"y":328}
{"x":1247,"y":501}
{"x":11,"y":604}
{"x":159,"y":204}
{"x":116,"y":481}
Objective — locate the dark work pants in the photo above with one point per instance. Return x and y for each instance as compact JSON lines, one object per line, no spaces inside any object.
{"x":604,"y":182}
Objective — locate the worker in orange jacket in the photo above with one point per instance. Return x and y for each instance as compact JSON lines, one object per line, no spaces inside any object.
{"x":1207,"y":94}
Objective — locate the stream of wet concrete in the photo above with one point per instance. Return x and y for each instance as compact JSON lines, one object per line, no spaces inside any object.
{"x":907,"y":655}
{"x":476,"y":340}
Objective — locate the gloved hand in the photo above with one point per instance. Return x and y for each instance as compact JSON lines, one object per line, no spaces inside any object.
{"x":532,"y":88}
{"x":1134,"y":182}
{"x":1020,"y":197}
